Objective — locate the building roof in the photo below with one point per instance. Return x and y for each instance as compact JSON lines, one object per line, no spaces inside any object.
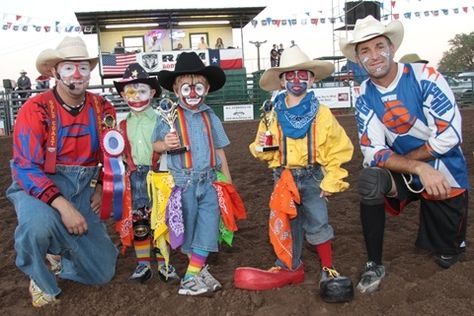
{"x":168,"y":18}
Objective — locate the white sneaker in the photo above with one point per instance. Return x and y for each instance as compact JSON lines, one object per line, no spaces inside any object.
{"x":210,"y":281}
{"x":194,"y":286}
{"x":371,"y":277}
{"x":38,"y":297}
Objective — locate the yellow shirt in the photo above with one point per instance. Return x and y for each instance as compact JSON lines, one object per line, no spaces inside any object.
{"x":333,"y":148}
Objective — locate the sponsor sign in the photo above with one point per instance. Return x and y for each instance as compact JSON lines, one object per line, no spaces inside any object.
{"x":240,"y":112}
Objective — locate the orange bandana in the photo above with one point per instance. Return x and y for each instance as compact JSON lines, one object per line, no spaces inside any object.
{"x":282,"y":209}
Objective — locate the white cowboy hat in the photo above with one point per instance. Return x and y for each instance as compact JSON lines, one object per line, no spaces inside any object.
{"x":70,"y":48}
{"x":294,"y":58}
{"x":368,"y":28}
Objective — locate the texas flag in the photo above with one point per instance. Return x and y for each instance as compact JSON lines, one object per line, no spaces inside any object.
{"x":226,"y":58}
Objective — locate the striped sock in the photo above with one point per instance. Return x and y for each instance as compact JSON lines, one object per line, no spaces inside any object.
{"x":197,"y":261}
{"x":142,"y":250}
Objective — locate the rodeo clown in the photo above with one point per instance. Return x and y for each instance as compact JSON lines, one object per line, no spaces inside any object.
{"x":138,"y":90}
{"x":309,"y":148}
{"x":194,"y":139}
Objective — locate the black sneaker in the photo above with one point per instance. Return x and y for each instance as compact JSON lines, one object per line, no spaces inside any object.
{"x":371,"y":277}
{"x":142,"y":273}
{"x":168,"y":274}
{"x":446,"y":261}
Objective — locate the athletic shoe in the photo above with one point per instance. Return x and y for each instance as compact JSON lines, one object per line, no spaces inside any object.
{"x":194,"y":286}
{"x":210,"y":281}
{"x":334,"y":288}
{"x":371,"y":277}
{"x":247,"y":278}
{"x":54,"y":263}
{"x":446,"y":261}
{"x":142,"y":273}
{"x":167,"y":274}
{"x":40,"y":298}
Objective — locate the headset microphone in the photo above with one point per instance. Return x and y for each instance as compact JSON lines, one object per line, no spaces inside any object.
{"x":71,"y":85}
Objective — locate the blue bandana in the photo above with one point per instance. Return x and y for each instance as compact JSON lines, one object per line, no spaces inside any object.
{"x":296,"y":121}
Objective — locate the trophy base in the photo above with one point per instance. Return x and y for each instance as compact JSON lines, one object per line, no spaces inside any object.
{"x":176,"y":151}
{"x":261,"y":149}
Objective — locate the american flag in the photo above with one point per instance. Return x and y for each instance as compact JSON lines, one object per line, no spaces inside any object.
{"x":116,"y":64}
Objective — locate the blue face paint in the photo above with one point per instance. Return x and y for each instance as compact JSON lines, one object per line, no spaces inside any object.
{"x":296,"y":88}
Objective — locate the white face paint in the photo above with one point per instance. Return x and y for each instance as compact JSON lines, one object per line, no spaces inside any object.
{"x":192,"y":90}
{"x":77,"y":73}
{"x":375,"y":56}
{"x":137,"y":96}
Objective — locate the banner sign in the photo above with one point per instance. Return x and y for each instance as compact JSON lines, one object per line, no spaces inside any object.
{"x":240,"y":112}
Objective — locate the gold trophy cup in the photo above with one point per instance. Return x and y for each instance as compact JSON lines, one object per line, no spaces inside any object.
{"x":169,"y":112}
{"x":267,"y":115}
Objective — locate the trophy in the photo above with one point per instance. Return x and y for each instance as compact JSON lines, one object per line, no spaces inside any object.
{"x":267,"y":117}
{"x":169,"y":112}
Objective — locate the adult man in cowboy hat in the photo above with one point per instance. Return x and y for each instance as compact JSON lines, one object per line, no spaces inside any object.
{"x":410,"y":136}
{"x":312,"y":146}
{"x":23,"y":83}
{"x":138,"y":89}
{"x":55,"y":189}
{"x":201,"y":137}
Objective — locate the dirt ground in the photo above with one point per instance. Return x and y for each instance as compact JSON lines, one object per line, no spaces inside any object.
{"x":414,"y":284}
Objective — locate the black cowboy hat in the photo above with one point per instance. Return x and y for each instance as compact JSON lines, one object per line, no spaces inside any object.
{"x":191,"y":64}
{"x":136,"y":74}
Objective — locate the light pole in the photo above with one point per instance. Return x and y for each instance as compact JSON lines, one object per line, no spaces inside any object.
{"x":258,"y":44}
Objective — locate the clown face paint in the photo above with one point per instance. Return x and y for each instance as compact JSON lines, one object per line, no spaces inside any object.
{"x":192,"y":90}
{"x":77,"y":73}
{"x":296,"y":82}
{"x":137,"y":96}
{"x":375,"y":56}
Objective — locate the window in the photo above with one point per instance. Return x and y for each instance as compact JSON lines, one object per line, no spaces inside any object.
{"x":133,"y":43}
{"x":195,"y":40}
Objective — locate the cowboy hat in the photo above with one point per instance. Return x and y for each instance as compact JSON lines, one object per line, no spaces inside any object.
{"x":189,"y":63}
{"x":23,"y":71}
{"x":136,"y":74}
{"x":70,"y":48}
{"x":294,"y":58}
{"x":412,"y":58}
{"x":368,"y":28}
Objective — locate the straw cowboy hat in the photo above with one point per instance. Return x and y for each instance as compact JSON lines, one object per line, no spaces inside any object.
{"x":294,"y":58}
{"x":136,"y":74}
{"x":70,"y":48}
{"x":412,"y":58}
{"x":368,"y":28}
{"x":191,"y":64}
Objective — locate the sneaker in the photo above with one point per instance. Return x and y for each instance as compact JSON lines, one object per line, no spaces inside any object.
{"x":210,"y":281}
{"x":168,"y":274}
{"x":142,"y":273}
{"x":38,"y":297}
{"x":446,"y":261}
{"x":371,"y":277}
{"x":54,"y":263}
{"x":335,"y":288}
{"x":194,"y":286}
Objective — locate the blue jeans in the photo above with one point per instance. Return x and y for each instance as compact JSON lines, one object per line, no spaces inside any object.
{"x":89,"y":259}
{"x":201,"y":212}
{"x":311,"y":220}
{"x":139,"y":187}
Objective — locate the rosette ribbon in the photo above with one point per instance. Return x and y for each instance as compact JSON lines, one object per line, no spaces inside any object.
{"x":113,"y":145}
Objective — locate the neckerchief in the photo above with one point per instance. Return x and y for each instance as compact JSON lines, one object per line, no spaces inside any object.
{"x":296,"y":121}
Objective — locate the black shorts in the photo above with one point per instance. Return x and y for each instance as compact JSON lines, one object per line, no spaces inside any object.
{"x":443,"y":223}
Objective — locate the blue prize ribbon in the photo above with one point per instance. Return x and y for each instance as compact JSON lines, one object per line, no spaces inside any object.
{"x":118,"y":188}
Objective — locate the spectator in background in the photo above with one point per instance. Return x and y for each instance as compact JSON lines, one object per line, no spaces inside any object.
{"x":42,"y":82}
{"x":412,"y":58}
{"x":119,"y":49}
{"x":292,"y":43}
{"x":219,"y":43}
{"x":154,"y":45}
{"x":179,"y":46}
{"x":203,"y":44}
{"x":23,"y":83}
{"x":274,"y":57}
